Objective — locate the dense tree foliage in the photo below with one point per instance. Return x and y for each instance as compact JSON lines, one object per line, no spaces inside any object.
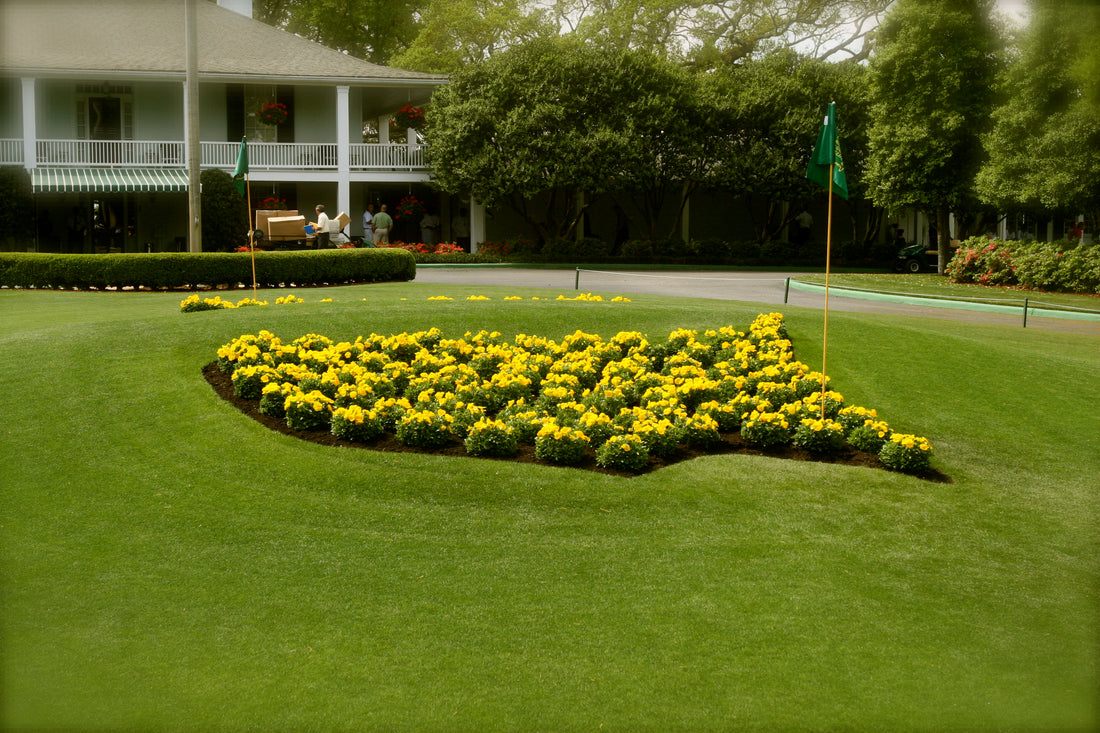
{"x":455,"y":33}
{"x":712,"y":33}
{"x":931,"y":78}
{"x":560,"y":118}
{"x":773,"y":110}
{"x":374,"y":30}
{"x":224,"y":214}
{"x":1044,"y":148}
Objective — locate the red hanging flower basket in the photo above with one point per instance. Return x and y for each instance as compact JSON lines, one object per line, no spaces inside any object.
{"x":273,"y":113}
{"x":408,"y":116}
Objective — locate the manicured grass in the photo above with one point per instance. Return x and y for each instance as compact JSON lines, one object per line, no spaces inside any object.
{"x":936,"y":286}
{"x":167,"y":563}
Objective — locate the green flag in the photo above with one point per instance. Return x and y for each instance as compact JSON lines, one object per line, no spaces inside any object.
{"x":242,"y":166}
{"x":826,"y":153}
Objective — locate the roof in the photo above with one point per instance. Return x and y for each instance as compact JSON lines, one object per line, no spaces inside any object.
{"x":146,"y":38}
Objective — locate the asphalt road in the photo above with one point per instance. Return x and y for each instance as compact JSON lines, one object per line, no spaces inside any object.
{"x":755,"y":287}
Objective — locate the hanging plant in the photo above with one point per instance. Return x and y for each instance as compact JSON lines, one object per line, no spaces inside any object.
{"x":409,"y":206}
{"x":273,"y":113}
{"x":408,"y":116}
{"x":272,"y":203}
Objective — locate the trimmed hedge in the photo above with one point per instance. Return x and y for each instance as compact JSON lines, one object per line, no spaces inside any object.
{"x":190,"y":270}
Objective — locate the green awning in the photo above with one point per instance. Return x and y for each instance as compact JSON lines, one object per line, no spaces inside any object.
{"x":67,"y":180}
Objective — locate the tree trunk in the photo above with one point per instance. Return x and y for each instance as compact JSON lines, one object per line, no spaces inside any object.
{"x":943,"y":232}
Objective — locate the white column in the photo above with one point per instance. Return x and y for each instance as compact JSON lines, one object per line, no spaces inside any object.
{"x":384,"y":129}
{"x":343,"y":152}
{"x":477,"y":224}
{"x":30,"y":125}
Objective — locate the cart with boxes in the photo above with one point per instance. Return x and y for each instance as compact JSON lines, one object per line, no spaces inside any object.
{"x":278,"y":229}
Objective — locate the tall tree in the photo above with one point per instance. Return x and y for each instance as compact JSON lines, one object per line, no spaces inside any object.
{"x":454,"y":33}
{"x":553,"y":119}
{"x":374,"y":30}
{"x":931,"y":75}
{"x":772,"y":109}
{"x":710,"y":33}
{"x":1044,"y":147}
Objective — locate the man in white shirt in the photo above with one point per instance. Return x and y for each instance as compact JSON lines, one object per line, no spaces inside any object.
{"x":368,"y":224}
{"x":321,"y":227}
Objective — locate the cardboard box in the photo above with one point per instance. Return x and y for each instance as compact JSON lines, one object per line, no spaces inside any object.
{"x":262,"y":215}
{"x":343,"y":219}
{"x":286,"y":226}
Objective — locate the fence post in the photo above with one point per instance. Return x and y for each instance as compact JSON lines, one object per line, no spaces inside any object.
{"x":786,"y":290}
{"x":1025,"y":312}
{"x":577,"y":280}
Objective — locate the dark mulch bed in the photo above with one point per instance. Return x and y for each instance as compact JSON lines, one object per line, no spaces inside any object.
{"x":731,"y":442}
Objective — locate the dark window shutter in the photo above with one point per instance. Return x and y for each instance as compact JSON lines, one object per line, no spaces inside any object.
{"x":285,"y":94}
{"x":234,"y":112}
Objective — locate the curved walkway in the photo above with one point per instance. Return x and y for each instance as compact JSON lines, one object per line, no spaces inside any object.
{"x":755,"y":287}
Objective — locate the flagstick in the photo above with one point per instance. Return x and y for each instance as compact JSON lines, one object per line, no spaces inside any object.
{"x":251,"y":239}
{"x":828,"y":256}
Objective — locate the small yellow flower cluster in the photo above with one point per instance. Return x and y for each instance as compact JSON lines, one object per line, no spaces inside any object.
{"x":911,"y":442}
{"x":195,"y":302}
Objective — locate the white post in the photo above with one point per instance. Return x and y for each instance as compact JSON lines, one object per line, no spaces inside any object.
{"x":30,"y":125}
{"x":384,"y":129}
{"x":477,"y":224}
{"x":343,"y":151}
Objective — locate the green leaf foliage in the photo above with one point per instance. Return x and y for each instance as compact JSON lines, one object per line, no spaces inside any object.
{"x":931,"y":75}
{"x":1044,"y":146}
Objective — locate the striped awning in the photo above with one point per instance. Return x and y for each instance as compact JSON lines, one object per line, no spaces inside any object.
{"x":65,"y":180}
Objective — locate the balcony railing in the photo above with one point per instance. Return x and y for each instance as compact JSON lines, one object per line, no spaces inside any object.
{"x":172,"y":153}
{"x":11,"y":151}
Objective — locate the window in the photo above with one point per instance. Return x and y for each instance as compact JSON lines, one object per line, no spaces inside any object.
{"x":104,"y":112}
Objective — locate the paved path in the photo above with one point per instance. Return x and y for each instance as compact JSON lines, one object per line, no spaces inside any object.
{"x":755,"y":287}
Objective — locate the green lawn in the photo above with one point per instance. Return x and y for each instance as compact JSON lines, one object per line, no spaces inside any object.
{"x":936,"y":286}
{"x":168,"y":564}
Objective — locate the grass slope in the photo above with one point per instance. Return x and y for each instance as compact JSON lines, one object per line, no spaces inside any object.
{"x":166,"y":563}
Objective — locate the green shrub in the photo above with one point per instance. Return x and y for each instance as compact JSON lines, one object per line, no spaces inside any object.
{"x":623,"y":453}
{"x":560,"y":444}
{"x":355,"y":423}
{"x":488,"y":437}
{"x":165,"y":270}
{"x":1046,"y":266}
{"x":419,"y":428}
{"x":906,"y":453}
{"x":224,"y":212}
{"x":819,"y":436}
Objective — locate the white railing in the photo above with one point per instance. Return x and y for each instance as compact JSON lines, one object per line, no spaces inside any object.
{"x":389,"y":156}
{"x":11,"y":151}
{"x":261,"y":156}
{"x":129,"y":153}
{"x":272,"y":156}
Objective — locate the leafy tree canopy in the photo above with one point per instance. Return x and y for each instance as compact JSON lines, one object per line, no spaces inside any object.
{"x":374,"y":30}
{"x":1044,"y":147}
{"x":774,"y":107}
{"x":558,"y":117}
{"x":931,"y":75}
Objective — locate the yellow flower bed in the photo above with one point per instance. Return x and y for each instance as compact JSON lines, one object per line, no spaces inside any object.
{"x":694,"y":390}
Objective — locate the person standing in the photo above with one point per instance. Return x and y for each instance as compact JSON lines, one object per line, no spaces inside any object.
{"x":368,"y":224}
{"x":460,"y":229}
{"x":321,"y":227}
{"x":429,"y":228}
{"x":383,"y":222}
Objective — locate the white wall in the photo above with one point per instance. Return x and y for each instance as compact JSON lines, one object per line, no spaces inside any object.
{"x":158,"y":111}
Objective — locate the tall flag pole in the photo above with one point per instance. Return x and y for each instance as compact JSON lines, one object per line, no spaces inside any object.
{"x":244,"y":186}
{"x":826,"y":169}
